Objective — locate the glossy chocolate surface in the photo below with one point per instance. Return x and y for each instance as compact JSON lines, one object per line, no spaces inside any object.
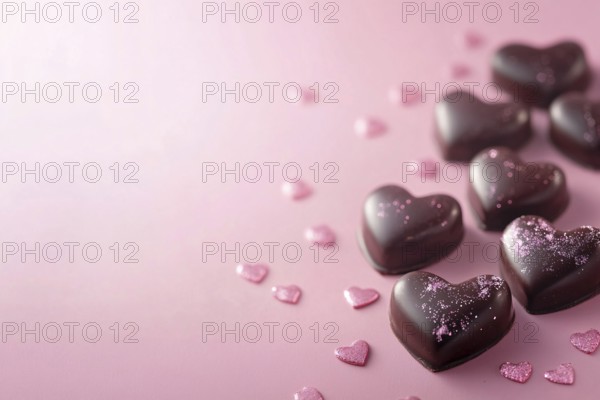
{"x":538,"y":76}
{"x":575,"y":128}
{"x":547,"y":269}
{"x":465,"y":125}
{"x":401,"y":233}
{"x":502,"y":187}
{"x":443,"y":325}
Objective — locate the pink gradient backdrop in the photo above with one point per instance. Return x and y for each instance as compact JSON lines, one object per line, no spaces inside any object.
{"x":170,"y":213}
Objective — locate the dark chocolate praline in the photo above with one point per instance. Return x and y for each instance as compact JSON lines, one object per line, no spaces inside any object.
{"x":575,"y":128}
{"x":538,"y":76}
{"x":443,"y":325}
{"x":464,"y":125}
{"x":502,"y":187}
{"x":549,"y":270}
{"x":402,"y":233}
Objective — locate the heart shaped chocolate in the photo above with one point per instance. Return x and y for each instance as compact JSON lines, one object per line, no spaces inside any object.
{"x":401,"y":233}
{"x":465,"y":125}
{"x":549,"y":270}
{"x":538,"y":76}
{"x":443,"y":325}
{"x":575,"y":128}
{"x":502,"y":188}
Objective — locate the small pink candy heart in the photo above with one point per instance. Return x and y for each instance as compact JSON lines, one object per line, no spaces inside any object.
{"x":308,"y":96}
{"x":296,"y":190}
{"x":287,"y":294}
{"x":469,"y":40}
{"x":359,"y":298}
{"x":321,"y":234}
{"x":564,"y":374}
{"x":517,"y":372}
{"x":254,"y":273}
{"x":356,"y":354}
{"x":457,"y":71}
{"x":308,"y":393}
{"x":406,"y":96}
{"x":587,"y":342}
{"x":368,"y":128}
{"x":428,"y":169}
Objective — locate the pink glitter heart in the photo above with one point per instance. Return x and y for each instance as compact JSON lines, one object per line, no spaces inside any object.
{"x":458,"y":71}
{"x":564,"y":374}
{"x":355,"y":354}
{"x":308,"y":393}
{"x":519,"y":372}
{"x":254,"y":273}
{"x":359,"y":298}
{"x":428,"y":169}
{"x":308,"y":96}
{"x":321,"y":234}
{"x":398,"y":96}
{"x":369,"y":128}
{"x":469,"y":40}
{"x":287,"y":294}
{"x":587,"y":342}
{"x":296,"y":190}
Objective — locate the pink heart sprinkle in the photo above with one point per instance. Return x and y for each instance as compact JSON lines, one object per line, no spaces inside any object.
{"x":428,"y":169}
{"x":564,"y":374}
{"x":359,"y":298}
{"x":368,"y":128}
{"x":404,"y":96}
{"x":355,"y":354}
{"x":469,"y":40}
{"x":308,"y":96}
{"x":254,"y":273}
{"x":308,"y":393}
{"x":287,"y":294}
{"x":587,"y":342}
{"x":519,"y":372}
{"x":458,"y":71}
{"x":321,"y":234}
{"x":296,"y":190}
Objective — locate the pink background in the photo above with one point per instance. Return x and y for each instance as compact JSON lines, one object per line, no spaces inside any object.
{"x":171,"y":292}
